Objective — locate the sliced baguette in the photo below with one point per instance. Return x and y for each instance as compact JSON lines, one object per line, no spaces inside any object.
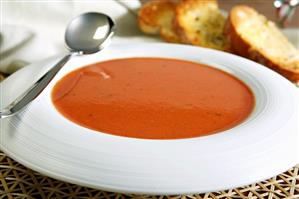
{"x":252,"y":36}
{"x":156,"y":17}
{"x":200,"y":22}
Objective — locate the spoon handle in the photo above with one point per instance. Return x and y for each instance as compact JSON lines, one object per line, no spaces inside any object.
{"x":30,"y":94}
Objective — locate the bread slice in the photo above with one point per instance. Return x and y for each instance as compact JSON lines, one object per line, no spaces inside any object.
{"x":200,"y":22}
{"x":156,"y":17}
{"x":251,"y":35}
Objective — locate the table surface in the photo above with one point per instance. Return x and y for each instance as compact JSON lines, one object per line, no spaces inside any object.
{"x":17,"y":181}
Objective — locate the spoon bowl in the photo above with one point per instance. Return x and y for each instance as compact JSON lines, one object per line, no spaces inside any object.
{"x":87,"y":33}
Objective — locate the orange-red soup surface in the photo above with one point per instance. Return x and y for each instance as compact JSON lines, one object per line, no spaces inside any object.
{"x":153,"y":98}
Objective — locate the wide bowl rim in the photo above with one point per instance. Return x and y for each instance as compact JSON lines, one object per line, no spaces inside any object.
{"x":237,"y":152}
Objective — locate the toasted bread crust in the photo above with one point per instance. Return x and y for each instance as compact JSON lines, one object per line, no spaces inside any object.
{"x":156,"y":17}
{"x":176,"y":22}
{"x":243,"y":47}
{"x":199,"y":22}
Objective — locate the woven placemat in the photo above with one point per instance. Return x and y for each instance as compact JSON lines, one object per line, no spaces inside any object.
{"x":18,"y":181}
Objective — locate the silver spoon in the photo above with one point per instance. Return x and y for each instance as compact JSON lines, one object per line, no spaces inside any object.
{"x":288,"y":8}
{"x":87,"y":33}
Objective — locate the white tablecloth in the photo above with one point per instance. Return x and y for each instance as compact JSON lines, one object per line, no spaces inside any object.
{"x":43,"y":23}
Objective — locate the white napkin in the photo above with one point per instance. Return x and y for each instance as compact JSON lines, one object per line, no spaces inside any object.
{"x":10,"y":43}
{"x":36,"y":29}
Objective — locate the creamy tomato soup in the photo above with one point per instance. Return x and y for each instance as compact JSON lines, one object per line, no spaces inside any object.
{"x":153,"y":98}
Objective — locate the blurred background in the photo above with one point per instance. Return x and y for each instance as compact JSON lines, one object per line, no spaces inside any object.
{"x":265,"y":7}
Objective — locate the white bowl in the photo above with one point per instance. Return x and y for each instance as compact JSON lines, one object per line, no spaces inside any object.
{"x":264,"y":145}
